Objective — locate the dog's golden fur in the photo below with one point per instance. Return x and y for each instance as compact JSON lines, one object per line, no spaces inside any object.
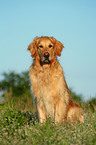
{"x":50,"y":92}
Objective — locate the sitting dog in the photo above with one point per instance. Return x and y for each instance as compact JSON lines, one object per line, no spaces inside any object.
{"x":50,"y":92}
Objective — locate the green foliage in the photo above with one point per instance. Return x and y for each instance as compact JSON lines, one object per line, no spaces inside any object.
{"x":90,"y":105}
{"x":93,"y":101}
{"x":18,"y":82}
{"x":19,"y":127}
{"x":11,"y":116}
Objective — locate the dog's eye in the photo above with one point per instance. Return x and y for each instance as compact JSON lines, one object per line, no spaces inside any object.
{"x":41,"y":46}
{"x":50,"y":46}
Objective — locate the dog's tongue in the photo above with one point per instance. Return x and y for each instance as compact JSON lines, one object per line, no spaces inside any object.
{"x":46,"y":60}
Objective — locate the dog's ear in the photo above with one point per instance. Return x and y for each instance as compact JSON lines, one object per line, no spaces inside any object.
{"x":33,"y":47}
{"x":58,"y":46}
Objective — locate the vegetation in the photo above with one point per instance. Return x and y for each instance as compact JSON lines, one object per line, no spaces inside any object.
{"x":18,"y":124}
{"x":18,"y":82}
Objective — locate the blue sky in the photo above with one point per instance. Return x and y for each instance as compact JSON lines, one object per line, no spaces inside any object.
{"x":70,"y":21}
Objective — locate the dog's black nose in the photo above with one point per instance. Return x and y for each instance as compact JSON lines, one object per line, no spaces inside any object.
{"x":46,"y":55}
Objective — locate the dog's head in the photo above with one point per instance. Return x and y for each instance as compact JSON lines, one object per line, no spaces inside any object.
{"x":45,"y":49}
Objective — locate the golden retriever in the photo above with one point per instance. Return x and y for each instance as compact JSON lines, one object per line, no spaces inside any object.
{"x":50,"y":92}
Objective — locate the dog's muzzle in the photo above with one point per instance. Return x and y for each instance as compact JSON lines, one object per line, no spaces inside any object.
{"x":45,"y":59}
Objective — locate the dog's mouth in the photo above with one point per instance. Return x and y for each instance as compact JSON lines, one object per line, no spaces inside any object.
{"x":45,"y":59}
{"x":44,"y":62}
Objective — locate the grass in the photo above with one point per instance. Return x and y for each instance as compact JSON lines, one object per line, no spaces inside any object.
{"x":18,"y":125}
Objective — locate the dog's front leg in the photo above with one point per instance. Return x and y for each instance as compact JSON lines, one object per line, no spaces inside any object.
{"x":60,"y":112}
{"x":42,"y":116}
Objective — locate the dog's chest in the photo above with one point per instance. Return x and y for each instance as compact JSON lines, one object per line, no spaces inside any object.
{"x":48,"y":83}
{"x":45,"y":78}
